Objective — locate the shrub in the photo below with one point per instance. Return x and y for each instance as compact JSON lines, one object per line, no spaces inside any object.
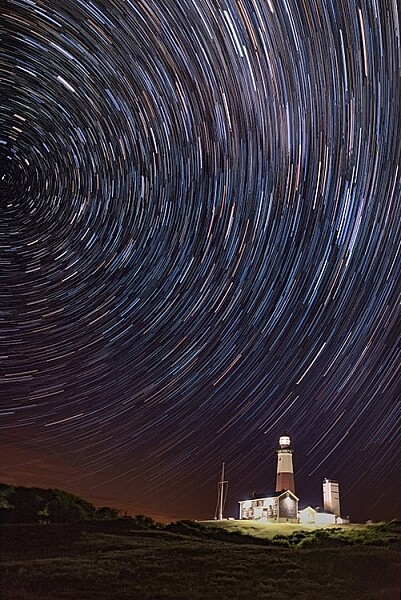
{"x":142,"y":522}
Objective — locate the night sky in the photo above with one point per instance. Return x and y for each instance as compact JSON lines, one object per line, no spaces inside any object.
{"x":200,"y":250}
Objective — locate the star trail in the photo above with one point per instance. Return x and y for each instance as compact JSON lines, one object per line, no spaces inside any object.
{"x":200,"y":248}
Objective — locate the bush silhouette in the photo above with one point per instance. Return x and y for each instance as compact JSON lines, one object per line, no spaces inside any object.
{"x":36,"y":505}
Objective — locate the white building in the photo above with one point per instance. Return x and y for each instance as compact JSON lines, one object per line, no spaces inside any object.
{"x":274,"y":507}
{"x":316,"y":516}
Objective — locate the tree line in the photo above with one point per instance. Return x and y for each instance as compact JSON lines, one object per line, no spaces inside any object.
{"x":36,"y":505}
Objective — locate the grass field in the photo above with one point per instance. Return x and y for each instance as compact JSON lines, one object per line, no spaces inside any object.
{"x":268,"y":531}
{"x":105,"y":561}
{"x":257,"y":529}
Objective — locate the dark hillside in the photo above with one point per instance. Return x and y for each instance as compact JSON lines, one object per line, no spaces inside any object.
{"x":119,"y":560}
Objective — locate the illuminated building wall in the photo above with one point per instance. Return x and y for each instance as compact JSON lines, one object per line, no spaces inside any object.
{"x":274,"y":507}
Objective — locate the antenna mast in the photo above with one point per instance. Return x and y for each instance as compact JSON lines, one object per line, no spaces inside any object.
{"x":222,"y":493}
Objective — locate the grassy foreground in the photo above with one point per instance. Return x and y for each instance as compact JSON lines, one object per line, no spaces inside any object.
{"x":111,"y":560}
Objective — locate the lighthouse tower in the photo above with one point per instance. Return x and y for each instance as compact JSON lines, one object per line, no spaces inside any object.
{"x":285,"y":470}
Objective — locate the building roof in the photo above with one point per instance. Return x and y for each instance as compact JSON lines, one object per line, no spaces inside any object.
{"x":309,"y":507}
{"x":317,"y":509}
{"x":269,"y":495}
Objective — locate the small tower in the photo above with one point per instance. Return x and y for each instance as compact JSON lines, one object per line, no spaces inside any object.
{"x":285,"y":470}
{"x":331,"y":497}
{"x":222,"y":493}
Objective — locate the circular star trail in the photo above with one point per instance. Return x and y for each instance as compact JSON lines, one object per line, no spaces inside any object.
{"x":199,"y":238}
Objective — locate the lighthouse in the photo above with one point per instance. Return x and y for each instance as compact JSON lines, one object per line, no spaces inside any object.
{"x":285,"y":470}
